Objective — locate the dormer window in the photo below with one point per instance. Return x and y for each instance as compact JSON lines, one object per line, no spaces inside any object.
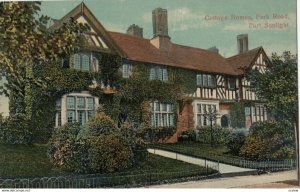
{"x":158,"y":73}
{"x":205,"y":80}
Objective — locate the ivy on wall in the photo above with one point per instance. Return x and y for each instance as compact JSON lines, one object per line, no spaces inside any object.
{"x":132,"y":98}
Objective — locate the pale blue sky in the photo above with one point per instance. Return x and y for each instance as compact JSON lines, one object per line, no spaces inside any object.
{"x":187,"y":23}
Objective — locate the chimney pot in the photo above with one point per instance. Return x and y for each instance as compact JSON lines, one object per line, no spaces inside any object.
{"x":242,"y":42}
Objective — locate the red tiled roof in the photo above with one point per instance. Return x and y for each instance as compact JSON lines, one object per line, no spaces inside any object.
{"x":140,"y":49}
{"x":244,"y":60}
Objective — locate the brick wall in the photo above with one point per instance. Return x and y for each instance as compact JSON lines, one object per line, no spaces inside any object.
{"x":185,"y":121}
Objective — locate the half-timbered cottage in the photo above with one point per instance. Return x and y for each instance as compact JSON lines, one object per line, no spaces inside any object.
{"x":220,"y":81}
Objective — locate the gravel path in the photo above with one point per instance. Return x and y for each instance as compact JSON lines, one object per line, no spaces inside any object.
{"x":223,"y":168}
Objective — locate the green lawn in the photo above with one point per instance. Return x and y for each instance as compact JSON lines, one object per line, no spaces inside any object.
{"x":216,"y":153}
{"x":17,"y":161}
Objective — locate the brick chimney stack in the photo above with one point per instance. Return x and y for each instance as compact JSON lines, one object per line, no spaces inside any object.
{"x":135,"y":30}
{"x":161,"y":39}
{"x":242,"y":42}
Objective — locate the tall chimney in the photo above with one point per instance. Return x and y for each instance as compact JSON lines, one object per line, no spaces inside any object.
{"x":135,"y":30}
{"x":242,"y":42}
{"x":161,"y":39}
{"x":160,"y":22}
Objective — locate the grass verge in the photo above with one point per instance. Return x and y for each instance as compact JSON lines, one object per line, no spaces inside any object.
{"x":19,"y":161}
{"x":201,"y":150}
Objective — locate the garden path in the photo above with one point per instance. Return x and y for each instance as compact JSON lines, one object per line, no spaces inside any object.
{"x":224,"y":169}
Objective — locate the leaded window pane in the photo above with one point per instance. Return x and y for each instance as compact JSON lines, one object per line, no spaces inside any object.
{"x":90,"y":114}
{"x":199,"y":119}
{"x":77,"y":61}
{"x":152,"y":120}
{"x":80,"y":103}
{"x":171,"y":120}
{"x":165,"y":74}
{"x":70,"y":102}
{"x":170,"y":108}
{"x":199,"y":79}
{"x":199,"y":108}
{"x":164,"y":106}
{"x":157,"y":120}
{"x":71,"y":116}
{"x":157,"y":106}
{"x":164,"y":120}
{"x":209,"y":79}
{"x":85,"y":63}
{"x":205,"y":80}
{"x":125,"y":70}
{"x":81,"y":117}
{"x":90,"y":103}
{"x":152,"y":73}
{"x":159,"y":73}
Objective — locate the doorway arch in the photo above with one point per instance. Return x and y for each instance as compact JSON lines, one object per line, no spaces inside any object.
{"x":224,"y":121}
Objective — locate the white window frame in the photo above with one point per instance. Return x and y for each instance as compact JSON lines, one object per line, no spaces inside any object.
{"x":92,"y":62}
{"x":199,"y":119}
{"x":162,"y":114}
{"x":88,"y":108}
{"x":159,"y":73}
{"x":125,"y":70}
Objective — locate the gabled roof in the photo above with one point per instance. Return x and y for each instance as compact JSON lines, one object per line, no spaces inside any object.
{"x":83,"y":10}
{"x":140,"y":49}
{"x":245,"y":60}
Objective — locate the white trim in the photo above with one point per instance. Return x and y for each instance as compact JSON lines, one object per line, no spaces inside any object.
{"x":205,"y":102}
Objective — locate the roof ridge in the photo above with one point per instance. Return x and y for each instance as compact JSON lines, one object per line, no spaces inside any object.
{"x":131,"y":36}
{"x":240,"y":54}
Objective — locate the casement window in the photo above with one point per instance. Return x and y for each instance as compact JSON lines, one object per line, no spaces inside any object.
{"x":258,"y":113}
{"x":231,"y":83}
{"x":158,"y":73}
{"x":162,"y":114}
{"x":125,"y":71}
{"x":84,"y":62}
{"x":205,"y":80}
{"x":78,"y":109}
{"x":202,"y":111}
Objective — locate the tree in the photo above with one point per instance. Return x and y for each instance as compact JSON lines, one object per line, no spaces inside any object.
{"x":26,"y":42}
{"x":277,"y":86}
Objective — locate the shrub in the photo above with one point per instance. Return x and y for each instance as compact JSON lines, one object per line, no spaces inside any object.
{"x":235,"y":142}
{"x":109,"y":153}
{"x":255,"y":148}
{"x":101,"y":124}
{"x":67,"y":150}
{"x":269,"y":140}
{"x":98,"y":147}
{"x":137,"y":144}
{"x":189,"y":135}
{"x":219,"y":134}
{"x":154,"y":134}
{"x":15,"y":130}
